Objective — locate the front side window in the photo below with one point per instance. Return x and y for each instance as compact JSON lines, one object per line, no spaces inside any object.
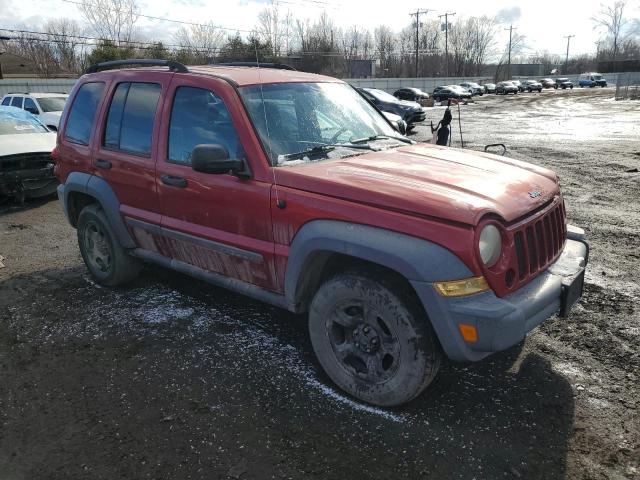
{"x":199,"y":116}
{"x":292,"y":118}
{"x":16,"y":102}
{"x":131,"y":117}
{"x":83,"y":112}
{"x":30,"y":106}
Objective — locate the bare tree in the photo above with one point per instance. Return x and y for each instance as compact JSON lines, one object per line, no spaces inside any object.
{"x":274,"y":27}
{"x":611,"y":19}
{"x":112,"y":20}
{"x":67,"y":43}
{"x":203,"y":42}
{"x":37,"y":49}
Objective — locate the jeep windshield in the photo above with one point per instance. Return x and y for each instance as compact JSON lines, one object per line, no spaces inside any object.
{"x":300,"y":122}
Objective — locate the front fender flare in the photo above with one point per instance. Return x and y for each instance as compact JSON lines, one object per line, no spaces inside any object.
{"x":413,"y":258}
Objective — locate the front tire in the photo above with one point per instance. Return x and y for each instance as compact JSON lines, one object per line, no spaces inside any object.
{"x":106,"y":260}
{"x":372,"y":339}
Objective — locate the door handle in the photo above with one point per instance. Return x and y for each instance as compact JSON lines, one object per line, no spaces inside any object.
{"x":106,"y":164}
{"x":173,"y":181}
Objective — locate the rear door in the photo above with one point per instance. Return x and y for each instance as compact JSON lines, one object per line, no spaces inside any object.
{"x":217,"y":222}
{"x":126,"y":149}
{"x":16,"y":102}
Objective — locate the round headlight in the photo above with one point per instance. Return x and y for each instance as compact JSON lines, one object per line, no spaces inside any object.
{"x":490,"y":245}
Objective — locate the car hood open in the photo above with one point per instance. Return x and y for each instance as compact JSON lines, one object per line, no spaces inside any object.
{"x":452,"y":184}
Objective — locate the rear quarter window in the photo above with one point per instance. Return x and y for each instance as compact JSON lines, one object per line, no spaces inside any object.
{"x":6,"y":101}
{"x":83,"y":112}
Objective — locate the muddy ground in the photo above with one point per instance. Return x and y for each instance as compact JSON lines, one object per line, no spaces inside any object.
{"x":171,"y":378}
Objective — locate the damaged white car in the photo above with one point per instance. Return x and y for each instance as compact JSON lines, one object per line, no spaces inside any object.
{"x":26,"y":167}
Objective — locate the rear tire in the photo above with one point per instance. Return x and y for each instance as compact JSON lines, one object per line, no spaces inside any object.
{"x":106,"y":260}
{"x":373,"y":340}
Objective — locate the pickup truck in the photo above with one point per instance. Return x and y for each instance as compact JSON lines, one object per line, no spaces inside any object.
{"x":293,"y":189}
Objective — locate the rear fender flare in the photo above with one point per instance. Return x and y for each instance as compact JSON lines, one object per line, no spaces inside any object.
{"x":99,"y":189}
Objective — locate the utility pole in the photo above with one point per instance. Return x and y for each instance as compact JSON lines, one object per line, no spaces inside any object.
{"x":566,"y":60}
{"x":446,"y":37}
{"x":511,"y":29}
{"x":417,"y":14}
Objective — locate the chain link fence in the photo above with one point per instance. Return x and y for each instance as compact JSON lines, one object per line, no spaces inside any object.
{"x":628,"y":86}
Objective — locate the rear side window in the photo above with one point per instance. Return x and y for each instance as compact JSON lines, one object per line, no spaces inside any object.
{"x":83,"y":112}
{"x":131,"y":116}
{"x":16,"y":102}
{"x":199,"y":116}
{"x":6,"y":101}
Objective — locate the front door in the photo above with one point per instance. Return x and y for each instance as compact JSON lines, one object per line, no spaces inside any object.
{"x":217,"y":222}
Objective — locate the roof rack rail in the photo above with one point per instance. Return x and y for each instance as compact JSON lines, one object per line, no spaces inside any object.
{"x":177,"y":66}
{"x":281,"y":66}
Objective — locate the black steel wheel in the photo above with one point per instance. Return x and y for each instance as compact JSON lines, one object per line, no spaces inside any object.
{"x":106,"y":260}
{"x":373,"y":341}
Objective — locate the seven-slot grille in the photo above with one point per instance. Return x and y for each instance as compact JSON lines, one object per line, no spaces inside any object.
{"x":538,"y":243}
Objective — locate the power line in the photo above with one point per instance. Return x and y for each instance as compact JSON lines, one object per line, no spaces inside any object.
{"x":417,"y":14}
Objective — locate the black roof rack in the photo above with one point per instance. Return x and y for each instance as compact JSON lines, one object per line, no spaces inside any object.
{"x":177,"y":66}
{"x":281,"y":66}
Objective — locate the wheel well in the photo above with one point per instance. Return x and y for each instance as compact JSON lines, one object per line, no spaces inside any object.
{"x":322,"y":265}
{"x":75,"y":203}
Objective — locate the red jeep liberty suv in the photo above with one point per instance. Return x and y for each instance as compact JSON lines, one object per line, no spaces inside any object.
{"x":291,"y":188}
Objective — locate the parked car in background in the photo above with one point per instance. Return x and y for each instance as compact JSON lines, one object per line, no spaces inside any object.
{"x":450,"y":92}
{"x":489,"y":88}
{"x":396,"y":120}
{"x":411,"y":112}
{"x":518,"y":84}
{"x":412,"y":94}
{"x":592,"y":80}
{"x":26,"y":168}
{"x":506,"y":87}
{"x":399,"y":254}
{"x":47,"y":106}
{"x":548,"y":83}
{"x":564,"y":83}
{"x":532,"y":86}
{"x":473,"y":88}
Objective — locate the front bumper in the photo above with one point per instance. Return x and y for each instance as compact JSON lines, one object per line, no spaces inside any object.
{"x":29,"y":182}
{"x":504,"y":322}
{"x":415,"y":116}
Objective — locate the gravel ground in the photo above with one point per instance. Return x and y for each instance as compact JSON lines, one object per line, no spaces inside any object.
{"x":172,"y":378}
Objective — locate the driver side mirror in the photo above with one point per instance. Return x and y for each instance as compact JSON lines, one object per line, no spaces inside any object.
{"x":214,"y":158}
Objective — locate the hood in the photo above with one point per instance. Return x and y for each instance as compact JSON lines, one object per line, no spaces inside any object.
{"x":27,"y":143}
{"x":408,"y":103}
{"x":456,"y":185}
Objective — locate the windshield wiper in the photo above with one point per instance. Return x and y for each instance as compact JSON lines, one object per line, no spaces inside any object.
{"x":380,"y":137}
{"x":325,"y":148}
